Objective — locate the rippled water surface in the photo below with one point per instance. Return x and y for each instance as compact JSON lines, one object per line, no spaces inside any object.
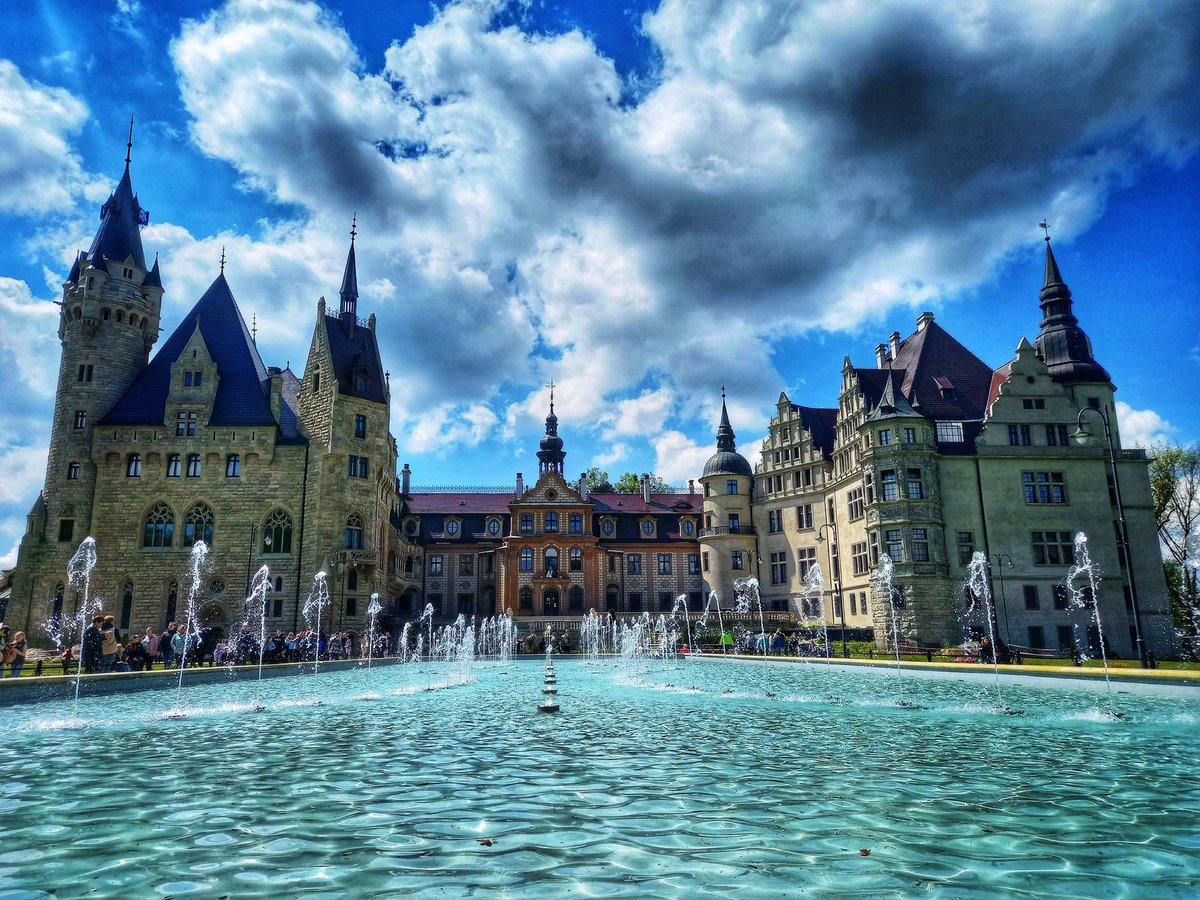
{"x":687,"y":779}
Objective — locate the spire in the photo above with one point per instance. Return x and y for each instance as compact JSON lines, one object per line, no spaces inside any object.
{"x":892,"y":402}
{"x":1062,"y":344}
{"x":222,"y":259}
{"x":550,"y":455}
{"x":349,"y":290}
{"x":726,"y":439}
{"x":118,"y":237}
{"x":129,"y":145}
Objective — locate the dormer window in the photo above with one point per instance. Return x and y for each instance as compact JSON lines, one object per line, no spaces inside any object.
{"x":185,"y":424}
{"x":192,"y":379}
{"x":452,"y":528}
{"x":126,"y":272}
{"x":360,"y":380}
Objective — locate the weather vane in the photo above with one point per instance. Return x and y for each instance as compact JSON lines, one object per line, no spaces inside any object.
{"x":551,"y":386}
{"x":1046,"y":228}
{"x":353,"y":227}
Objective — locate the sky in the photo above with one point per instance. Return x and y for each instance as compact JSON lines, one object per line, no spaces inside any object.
{"x":639,"y":201}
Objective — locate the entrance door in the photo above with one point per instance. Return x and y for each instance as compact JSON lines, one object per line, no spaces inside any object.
{"x":550,"y":602}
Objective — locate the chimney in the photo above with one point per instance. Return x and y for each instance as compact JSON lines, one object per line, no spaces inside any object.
{"x":880,"y":355}
{"x":276,"y":392}
{"x":520,"y":484}
{"x":894,"y":342}
{"x":646,"y":487}
{"x":691,"y":485}
{"x":583,"y":488}
{"x":405,"y":479}
{"x":924,"y":319}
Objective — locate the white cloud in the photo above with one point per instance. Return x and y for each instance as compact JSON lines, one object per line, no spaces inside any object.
{"x":678,"y":458}
{"x":1143,"y":427}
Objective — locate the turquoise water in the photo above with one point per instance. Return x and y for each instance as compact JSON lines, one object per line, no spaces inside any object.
{"x":688,"y":779}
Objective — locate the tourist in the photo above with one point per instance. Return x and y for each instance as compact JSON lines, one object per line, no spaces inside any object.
{"x":110,"y":644}
{"x":335,"y":646}
{"x":762,"y":643}
{"x":135,"y":655}
{"x":778,"y":643}
{"x":166,"y":645}
{"x":93,"y":640}
{"x":150,"y":648}
{"x":179,"y":646}
{"x":289,"y":646}
{"x":6,"y":643}
{"x":14,"y":654}
{"x":726,"y":641}
{"x":245,"y":649}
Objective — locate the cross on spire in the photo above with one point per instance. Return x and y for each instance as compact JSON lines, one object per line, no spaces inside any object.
{"x":1046,"y":228}
{"x":222,"y":259}
{"x":551,"y":386}
{"x":254,"y":327}
{"x":129,"y":145}
{"x":353,"y":227}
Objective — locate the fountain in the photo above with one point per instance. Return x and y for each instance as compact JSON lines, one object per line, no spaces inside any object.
{"x":883,"y":581}
{"x":681,"y":603}
{"x":714,"y":602}
{"x":79,"y":576}
{"x":982,"y":600}
{"x":191,"y":619}
{"x":1083,"y":582}
{"x":747,"y":597}
{"x":590,"y":636}
{"x":318,"y":599}
{"x":550,"y":704}
{"x":427,"y":620}
{"x":812,"y":587}
{"x":256,"y":608}
{"x":373,"y":609}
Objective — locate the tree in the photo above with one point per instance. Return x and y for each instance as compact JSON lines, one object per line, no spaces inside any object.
{"x":631,"y":483}
{"x":1175,"y":487}
{"x":597,"y":481}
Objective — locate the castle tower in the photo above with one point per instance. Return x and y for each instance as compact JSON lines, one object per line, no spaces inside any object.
{"x":727,"y":540}
{"x":550,"y":450}
{"x":108,"y":325}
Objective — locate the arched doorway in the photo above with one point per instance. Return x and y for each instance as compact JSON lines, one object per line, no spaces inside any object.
{"x":550,"y":602}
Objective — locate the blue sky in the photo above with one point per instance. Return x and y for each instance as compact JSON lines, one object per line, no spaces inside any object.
{"x":641,"y":201}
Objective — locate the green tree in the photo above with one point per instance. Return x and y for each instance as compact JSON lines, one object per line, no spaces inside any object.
{"x":597,"y":481}
{"x":631,"y":483}
{"x":1175,"y":487}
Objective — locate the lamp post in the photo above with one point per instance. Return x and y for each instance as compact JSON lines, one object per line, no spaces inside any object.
{"x":835,"y":564}
{"x":1081,"y":436}
{"x":1000,"y":560}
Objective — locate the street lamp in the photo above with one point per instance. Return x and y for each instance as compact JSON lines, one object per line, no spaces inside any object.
{"x":1000,"y":560}
{"x":835,"y":564}
{"x":1081,"y":436}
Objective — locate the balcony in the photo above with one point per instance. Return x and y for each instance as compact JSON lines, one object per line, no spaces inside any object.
{"x":728,"y":529}
{"x":354,"y":557}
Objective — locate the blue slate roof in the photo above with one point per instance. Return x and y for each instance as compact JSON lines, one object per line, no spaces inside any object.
{"x":353,"y":348}
{"x":118,"y":236}
{"x":243,"y":391}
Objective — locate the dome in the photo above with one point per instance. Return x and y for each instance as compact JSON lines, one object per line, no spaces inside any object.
{"x":727,"y":462}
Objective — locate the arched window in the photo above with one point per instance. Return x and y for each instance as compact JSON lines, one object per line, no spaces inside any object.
{"x":133,"y":468}
{"x":126,"y":604}
{"x":279,"y":585}
{"x":576,"y":559}
{"x":172,"y":601}
{"x":408,"y":565}
{"x":277,"y":533}
{"x":527,"y":563}
{"x":316,"y":379}
{"x":233,"y":466}
{"x":160,"y":527}
{"x":575,"y":598}
{"x":525,"y":596}
{"x":391,"y":562}
{"x":551,"y":562}
{"x":552,"y":521}
{"x":352,"y":580}
{"x":354,"y":532}
{"x":198,"y":526}
{"x":57,"y":610}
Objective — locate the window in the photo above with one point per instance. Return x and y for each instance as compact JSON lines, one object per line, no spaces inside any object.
{"x":193,"y":465}
{"x":360,"y":426}
{"x":950,"y":432}
{"x":360,"y":380}
{"x":551,"y":521}
{"x":66,"y":530}
{"x":738,"y":559}
{"x":885,"y":436}
{"x":1053,"y":548}
{"x":1031,"y":597}
{"x":635,"y":563}
{"x":648,"y":528}
{"x":466,"y":564}
{"x":664,"y":564}
{"x":575,"y":598}
{"x":437,"y":564}
{"x":804,"y":516}
{"x":1044,"y":487}
{"x":526,"y":559}
{"x":233,"y":466}
{"x":854,"y":504}
{"x":607,"y":527}
{"x":526,"y":522}
{"x":576,"y":557}
{"x":916,"y":489}
{"x":635,"y":601}
{"x":920,"y":545}
{"x":704,"y":557}
{"x":551,"y":562}
{"x":854,"y":603}
{"x":688,"y":527}
{"x":354,"y":532}
{"x":493,"y":527}
{"x":277,"y":533}
{"x":81,"y":418}
{"x":316,"y":379}
{"x":735,"y":523}
{"x":1066,"y":637}
{"x":1038,"y":403}
{"x":693,"y":563}
{"x":126,"y":604}
{"x":185,"y":424}
{"x":612,"y":563}
{"x":779,"y":568}
{"x":731,"y":486}
{"x":452,"y":528}
{"x":352,"y":580}
{"x":666,"y":602}
{"x":352,"y":606}
{"x":192,"y":379}
{"x":1037,"y":636}
{"x":525,"y":597}
{"x":73,"y":472}
{"x":133,"y":466}
{"x":1056,"y":436}
{"x":887,"y":480}
{"x":1060,"y":596}
{"x":966,"y":546}
{"x":198,"y":526}
{"x":869,"y":487}
{"x":85,"y":372}
{"x":910,"y":435}
{"x":357,"y":467}
{"x":894,"y":544}
{"x":277,"y":602}
{"x":806,"y":557}
{"x":173,"y":468}
{"x":858,"y":558}
{"x":774,"y":525}
{"x":1018,"y":435}
{"x":576,"y":523}
{"x":160,"y":527}
{"x":873,"y":550}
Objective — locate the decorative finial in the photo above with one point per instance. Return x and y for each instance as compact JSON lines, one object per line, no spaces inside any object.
{"x":222,"y":259}
{"x":1046,"y":228}
{"x":129,"y":145}
{"x":551,"y":386}
{"x":722,"y":393}
{"x":254,"y":327}
{"x":388,"y":376}
{"x":353,"y":227}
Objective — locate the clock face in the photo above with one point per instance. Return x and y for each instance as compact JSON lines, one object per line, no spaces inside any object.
{"x":494,"y":527}
{"x":451,"y":528}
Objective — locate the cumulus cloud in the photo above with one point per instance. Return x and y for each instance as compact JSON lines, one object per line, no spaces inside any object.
{"x":39,"y":168}
{"x":1143,"y":427}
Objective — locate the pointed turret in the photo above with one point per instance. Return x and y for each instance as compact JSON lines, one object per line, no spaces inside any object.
{"x":349,"y":289}
{"x":154,"y":277}
{"x":121,"y":217}
{"x":726,"y":461}
{"x":892,"y":403}
{"x":1062,"y":344}
{"x":550,"y":455}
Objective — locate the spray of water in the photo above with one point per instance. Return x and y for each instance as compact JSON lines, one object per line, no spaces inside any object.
{"x":1083,"y":583}
{"x":318,"y":600}
{"x":194,"y":579}
{"x":983,"y":602}
{"x":79,"y":576}
{"x":256,"y":611}
{"x":373,"y":609}
{"x":747,"y":598}
{"x":810,"y":600}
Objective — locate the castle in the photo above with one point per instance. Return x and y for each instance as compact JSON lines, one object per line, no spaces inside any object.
{"x":929,"y":456}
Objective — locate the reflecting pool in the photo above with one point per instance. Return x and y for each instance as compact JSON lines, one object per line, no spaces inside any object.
{"x":684,"y":778}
